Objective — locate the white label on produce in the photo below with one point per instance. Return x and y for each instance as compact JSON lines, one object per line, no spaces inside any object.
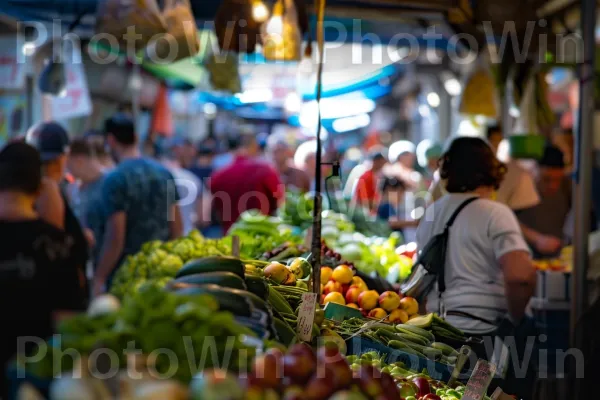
{"x":306,"y":316}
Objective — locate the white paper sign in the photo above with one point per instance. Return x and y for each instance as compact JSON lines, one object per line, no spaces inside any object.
{"x":75,"y":102}
{"x":12,"y":65}
{"x":306,"y":316}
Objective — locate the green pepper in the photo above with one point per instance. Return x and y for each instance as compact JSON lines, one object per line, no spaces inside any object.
{"x":453,"y":393}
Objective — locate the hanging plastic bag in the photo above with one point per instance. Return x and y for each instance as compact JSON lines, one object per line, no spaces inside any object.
{"x":182,"y":37}
{"x":281,"y":37}
{"x":479,"y":96}
{"x":224,"y":72}
{"x":114,"y":17}
{"x":236,"y":30}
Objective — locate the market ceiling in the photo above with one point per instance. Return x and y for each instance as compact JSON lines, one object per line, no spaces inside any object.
{"x":383,"y":17}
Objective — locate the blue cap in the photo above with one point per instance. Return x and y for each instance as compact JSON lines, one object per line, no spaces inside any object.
{"x":50,"y":139}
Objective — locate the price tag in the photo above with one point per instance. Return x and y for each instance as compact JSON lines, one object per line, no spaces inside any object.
{"x":306,"y":316}
{"x":479,"y":381}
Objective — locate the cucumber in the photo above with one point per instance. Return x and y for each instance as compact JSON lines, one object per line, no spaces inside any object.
{"x":405,"y":328}
{"x":286,"y":335}
{"x":409,"y":337}
{"x":439,"y":322}
{"x":212,"y":264}
{"x":398,"y":345}
{"x":447,"y":350}
{"x":258,"y":286}
{"x":234,"y":303}
{"x":225,"y":279}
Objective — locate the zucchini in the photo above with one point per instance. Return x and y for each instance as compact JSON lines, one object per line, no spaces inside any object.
{"x":398,"y":345}
{"x":411,"y":329}
{"x":212,"y":264}
{"x":258,"y":286}
{"x":447,"y":350}
{"x":234,"y":303}
{"x":439,"y":322}
{"x":225,"y":279}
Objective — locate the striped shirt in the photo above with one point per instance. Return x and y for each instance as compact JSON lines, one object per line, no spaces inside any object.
{"x":483,"y":232}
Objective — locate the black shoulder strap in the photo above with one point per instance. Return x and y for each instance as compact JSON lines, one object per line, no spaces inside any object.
{"x":442,"y":273}
{"x":458,"y":210}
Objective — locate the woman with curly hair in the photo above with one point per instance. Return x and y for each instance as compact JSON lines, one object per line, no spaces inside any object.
{"x":488,"y":272}
{"x":488,"y":269}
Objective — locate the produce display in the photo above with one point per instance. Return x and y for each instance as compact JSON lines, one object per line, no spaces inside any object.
{"x":259,"y":234}
{"x":564,"y":263}
{"x":159,"y":262}
{"x":411,"y":385}
{"x":405,"y":337}
{"x":153,"y":319}
{"x":248,"y":309}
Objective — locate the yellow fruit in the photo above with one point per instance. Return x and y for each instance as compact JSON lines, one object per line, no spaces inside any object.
{"x":352,"y":305}
{"x":410,"y":305}
{"x":326,"y":274}
{"x":377,"y":313}
{"x":389,"y":301}
{"x":359,"y":283}
{"x":398,"y":316}
{"x":352,"y":294}
{"x":368,"y":300}
{"x":335,"y":297}
{"x":342,"y":274}
{"x":332,"y":286}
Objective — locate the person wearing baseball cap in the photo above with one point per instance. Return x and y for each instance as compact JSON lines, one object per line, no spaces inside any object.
{"x":38,"y":274}
{"x":52,"y":142}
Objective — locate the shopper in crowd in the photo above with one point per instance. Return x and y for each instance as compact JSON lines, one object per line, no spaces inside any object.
{"x":366,"y":190}
{"x":202,"y":167}
{"x":280,"y":153}
{"x":392,"y":206}
{"x":52,"y":142}
{"x":140,"y":200}
{"x":85,"y":165}
{"x":488,"y":271}
{"x":246,"y":184}
{"x":195,"y":199}
{"x":305,"y":159}
{"x":431,"y":158}
{"x":544,"y":224}
{"x":402,"y":156}
{"x":39,"y":276}
{"x":98,"y":142}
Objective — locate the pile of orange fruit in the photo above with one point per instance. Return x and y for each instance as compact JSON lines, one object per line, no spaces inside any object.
{"x":340,"y":285}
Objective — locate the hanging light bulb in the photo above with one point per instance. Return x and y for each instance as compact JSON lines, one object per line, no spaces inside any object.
{"x":260,"y":12}
{"x":275,"y":24}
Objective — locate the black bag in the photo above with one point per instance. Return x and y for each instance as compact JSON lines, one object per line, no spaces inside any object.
{"x":430,"y":262}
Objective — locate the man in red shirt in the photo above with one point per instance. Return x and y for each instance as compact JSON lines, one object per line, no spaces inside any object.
{"x":365,"y":192}
{"x":246,"y":184}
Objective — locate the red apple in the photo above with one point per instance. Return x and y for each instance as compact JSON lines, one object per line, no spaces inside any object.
{"x":422,"y":385}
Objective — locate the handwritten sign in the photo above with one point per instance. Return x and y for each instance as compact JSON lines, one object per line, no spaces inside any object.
{"x":306,"y":316}
{"x":75,"y":101}
{"x":479,"y":381}
{"x":12,"y":64}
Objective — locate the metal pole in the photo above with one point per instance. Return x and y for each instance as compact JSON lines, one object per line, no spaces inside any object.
{"x":318,"y":202}
{"x":583,"y":173}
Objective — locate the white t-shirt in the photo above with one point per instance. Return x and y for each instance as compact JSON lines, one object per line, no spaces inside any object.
{"x":483,"y":232}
